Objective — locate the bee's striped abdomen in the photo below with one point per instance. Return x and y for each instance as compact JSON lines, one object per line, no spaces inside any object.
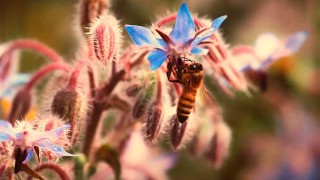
{"x":186,"y":103}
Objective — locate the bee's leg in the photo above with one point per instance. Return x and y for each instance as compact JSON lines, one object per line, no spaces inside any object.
{"x":169,"y":71}
{"x":173,"y":80}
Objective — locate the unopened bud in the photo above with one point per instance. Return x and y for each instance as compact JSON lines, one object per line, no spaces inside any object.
{"x":154,"y":122}
{"x":90,"y":10}
{"x":105,"y":38}
{"x":143,"y":101}
{"x":20,"y":105}
{"x":181,"y":134}
{"x":218,"y":148}
{"x":177,"y":132}
{"x":195,"y":147}
{"x":133,"y":90}
{"x":71,"y":106}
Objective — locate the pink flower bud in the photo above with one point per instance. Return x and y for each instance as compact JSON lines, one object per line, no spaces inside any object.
{"x":20,"y":105}
{"x":178,"y":132}
{"x":105,"y":38}
{"x":144,"y":100}
{"x":133,"y":90}
{"x":71,"y":106}
{"x":218,"y":148}
{"x":154,"y":122}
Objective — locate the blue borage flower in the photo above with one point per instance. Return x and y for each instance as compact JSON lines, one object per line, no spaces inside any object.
{"x":183,"y":39}
{"x":269,"y":48}
{"x":25,"y":137}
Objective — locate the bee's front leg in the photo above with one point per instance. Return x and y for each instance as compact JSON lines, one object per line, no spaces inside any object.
{"x":169,"y":71}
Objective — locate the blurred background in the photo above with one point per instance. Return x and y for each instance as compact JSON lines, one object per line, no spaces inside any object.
{"x":275,"y":133}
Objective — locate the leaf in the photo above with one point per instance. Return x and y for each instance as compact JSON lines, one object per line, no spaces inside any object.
{"x":110,"y":156}
{"x":79,"y":163}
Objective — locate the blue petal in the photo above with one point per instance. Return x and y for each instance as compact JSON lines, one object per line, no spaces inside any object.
{"x":17,"y":81}
{"x":5,"y":124}
{"x":218,"y":21}
{"x":20,"y":79}
{"x":29,"y":156}
{"x":59,"y":151}
{"x":199,"y":51}
{"x":245,"y":68}
{"x":57,"y":132}
{"x":5,"y":137}
{"x":184,"y":28}
{"x":19,"y":136}
{"x":291,"y":46}
{"x":206,"y":34}
{"x":141,"y":36}
{"x":295,"y":41}
{"x":156,"y":58}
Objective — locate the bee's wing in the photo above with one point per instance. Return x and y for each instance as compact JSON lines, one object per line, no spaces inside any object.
{"x":209,"y":101}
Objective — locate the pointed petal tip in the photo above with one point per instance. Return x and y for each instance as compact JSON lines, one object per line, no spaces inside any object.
{"x":296,"y":40}
{"x":223,"y":17}
{"x":303,"y":34}
{"x":218,"y":21}
{"x":184,"y":27}
{"x":128,"y":26}
{"x":184,"y":4}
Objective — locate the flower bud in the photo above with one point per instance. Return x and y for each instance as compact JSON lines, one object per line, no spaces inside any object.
{"x":218,"y":148}
{"x":140,"y":106}
{"x":71,"y":106}
{"x":177,"y":132}
{"x":154,"y":122}
{"x":20,"y":105}
{"x":90,"y":10}
{"x":182,"y":133}
{"x":105,"y":38}
{"x":133,"y":90}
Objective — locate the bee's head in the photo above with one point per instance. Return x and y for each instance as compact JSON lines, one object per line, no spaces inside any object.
{"x":195,"y":66}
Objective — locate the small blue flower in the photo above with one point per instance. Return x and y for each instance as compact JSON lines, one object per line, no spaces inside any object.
{"x":183,"y":39}
{"x":269,"y":48}
{"x":23,"y":135}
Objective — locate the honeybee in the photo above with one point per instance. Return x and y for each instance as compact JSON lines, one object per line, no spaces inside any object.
{"x":190,"y":74}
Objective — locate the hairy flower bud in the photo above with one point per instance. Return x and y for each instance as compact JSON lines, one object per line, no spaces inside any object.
{"x":218,"y":148}
{"x":105,"y":38}
{"x":177,"y":132}
{"x":20,"y":105}
{"x":154,"y":122}
{"x":140,"y":106}
{"x":90,"y":10}
{"x":133,"y":90}
{"x":181,"y":134}
{"x":71,"y":106}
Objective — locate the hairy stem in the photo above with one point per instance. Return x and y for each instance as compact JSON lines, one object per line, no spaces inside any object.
{"x":98,"y":108}
{"x":54,"y":167}
{"x":35,"y":46}
{"x":91,"y":82}
{"x":43,"y":71}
